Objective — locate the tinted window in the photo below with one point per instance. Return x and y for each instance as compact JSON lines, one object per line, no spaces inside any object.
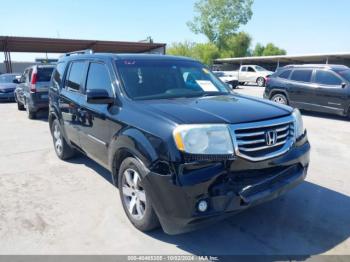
{"x":152,"y":79}
{"x":302,"y":75}
{"x":58,"y":74}
{"x":285,"y":74}
{"x":250,"y":69}
{"x":75,"y":75}
{"x":327,"y":78}
{"x":344,"y":73}
{"x":44,"y":74}
{"x":244,"y":69}
{"x":98,"y":78}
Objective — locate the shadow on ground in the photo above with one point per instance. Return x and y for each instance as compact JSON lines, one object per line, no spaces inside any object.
{"x":325,"y":115}
{"x":308,"y":220}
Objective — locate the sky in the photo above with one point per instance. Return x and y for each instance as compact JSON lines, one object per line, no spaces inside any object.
{"x":298,"y":26}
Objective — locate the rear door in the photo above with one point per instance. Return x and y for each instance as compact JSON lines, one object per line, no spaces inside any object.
{"x":329,"y":95}
{"x":301,"y":89}
{"x":21,"y":86}
{"x":96,"y":124}
{"x":71,"y":98}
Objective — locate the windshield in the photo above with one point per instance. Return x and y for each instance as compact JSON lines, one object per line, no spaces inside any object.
{"x":259,"y":68}
{"x":7,"y":78}
{"x":345,"y":74}
{"x":152,"y":79}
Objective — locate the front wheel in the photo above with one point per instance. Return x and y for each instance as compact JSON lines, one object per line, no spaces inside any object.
{"x":261,"y":81}
{"x":62,"y":149}
{"x":135,"y":199}
{"x":20,"y":106}
{"x":280,"y":99}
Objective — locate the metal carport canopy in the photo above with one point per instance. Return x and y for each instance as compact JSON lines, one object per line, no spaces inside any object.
{"x":308,"y":58}
{"x":58,"y":45}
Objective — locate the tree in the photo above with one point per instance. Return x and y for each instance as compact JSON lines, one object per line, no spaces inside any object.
{"x":220,"y":19}
{"x":206,"y":53}
{"x":181,"y":49}
{"x":236,"y":45}
{"x":258,"y":50}
{"x":268,"y":50}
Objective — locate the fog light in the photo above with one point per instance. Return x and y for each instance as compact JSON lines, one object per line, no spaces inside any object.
{"x":202,"y":206}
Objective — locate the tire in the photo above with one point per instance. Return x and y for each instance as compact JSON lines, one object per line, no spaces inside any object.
{"x":136,"y":203}
{"x":280,"y":99}
{"x":30,"y":114}
{"x":241,"y":83}
{"x":62,"y":149}
{"x":20,"y":106}
{"x":261,"y":81}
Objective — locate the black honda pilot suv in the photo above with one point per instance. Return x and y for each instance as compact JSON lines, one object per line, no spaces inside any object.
{"x":182,"y":149}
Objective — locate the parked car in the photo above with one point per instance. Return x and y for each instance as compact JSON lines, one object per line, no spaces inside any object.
{"x":227,"y":77}
{"x":251,"y":74}
{"x":32,"y":91}
{"x":182,"y":149}
{"x":322,"y":88}
{"x":8,"y":84}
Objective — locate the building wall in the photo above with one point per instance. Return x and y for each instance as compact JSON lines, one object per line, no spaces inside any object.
{"x":17,"y":67}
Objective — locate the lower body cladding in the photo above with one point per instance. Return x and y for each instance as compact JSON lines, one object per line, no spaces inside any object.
{"x":9,"y":97}
{"x":210,"y":191}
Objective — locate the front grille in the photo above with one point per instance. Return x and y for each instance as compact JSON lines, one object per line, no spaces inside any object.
{"x":251,"y":140}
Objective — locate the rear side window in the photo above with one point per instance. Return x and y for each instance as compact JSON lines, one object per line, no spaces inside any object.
{"x":98,"y":78}
{"x":285,"y":74}
{"x":302,"y":75}
{"x":76,"y":74}
{"x":244,"y":69}
{"x":327,"y":78}
{"x":44,"y":74}
{"x":58,"y":75}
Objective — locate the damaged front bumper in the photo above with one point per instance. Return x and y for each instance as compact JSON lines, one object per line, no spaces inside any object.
{"x":228,"y":187}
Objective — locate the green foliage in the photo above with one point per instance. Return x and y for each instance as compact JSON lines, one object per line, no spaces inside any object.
{"x":218,"y":20}
{"x":181,"y":49}
{"x":236,"y":45}
{"x":268,"y":50}
{"x":206,"y":53}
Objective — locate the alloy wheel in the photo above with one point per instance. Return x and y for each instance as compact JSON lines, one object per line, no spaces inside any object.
{"x":57,"y":139}
{"x":279,"y":100}
{"x":134,"y":196}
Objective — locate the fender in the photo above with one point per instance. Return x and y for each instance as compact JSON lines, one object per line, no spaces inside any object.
{"x":53,"y":111}
{"x":137,"y":144}
{"x":277,"y":90}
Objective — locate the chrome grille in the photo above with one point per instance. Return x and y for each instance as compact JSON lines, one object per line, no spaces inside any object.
{"x":251,"y":141}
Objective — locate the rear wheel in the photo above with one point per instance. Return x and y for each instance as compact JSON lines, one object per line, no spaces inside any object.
{"x":62,"y":149}
{"x":20,"y":106}
{"x":135,"y":199}
{"x":261,"y":81}
{"x":280,"y":99}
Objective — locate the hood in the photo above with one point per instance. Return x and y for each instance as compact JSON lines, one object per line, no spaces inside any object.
{"x":8,"y":86}
{"x":229,"y":109}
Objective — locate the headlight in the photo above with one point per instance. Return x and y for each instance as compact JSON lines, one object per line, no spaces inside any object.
{"x":299,"y":129}
{"x":203,"y":139}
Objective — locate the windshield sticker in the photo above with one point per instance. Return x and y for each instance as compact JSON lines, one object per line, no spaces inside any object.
{"x":207,"y":86}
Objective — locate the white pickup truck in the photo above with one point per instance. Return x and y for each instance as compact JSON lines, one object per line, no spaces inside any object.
{"x":246,"y":74}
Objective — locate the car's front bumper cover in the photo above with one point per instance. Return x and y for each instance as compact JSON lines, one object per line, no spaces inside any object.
{"x":228,"y":186}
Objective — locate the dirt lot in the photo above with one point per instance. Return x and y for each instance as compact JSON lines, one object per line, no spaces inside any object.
{"x":48,"y":206}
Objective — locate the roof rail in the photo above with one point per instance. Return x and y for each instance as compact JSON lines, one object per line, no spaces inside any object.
{"x":80,"y":52}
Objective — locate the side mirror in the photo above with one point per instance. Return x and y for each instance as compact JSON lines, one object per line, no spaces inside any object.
{"x":343,"y":85}
{"x":16,"y":81}
{"x":99,"y":96}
